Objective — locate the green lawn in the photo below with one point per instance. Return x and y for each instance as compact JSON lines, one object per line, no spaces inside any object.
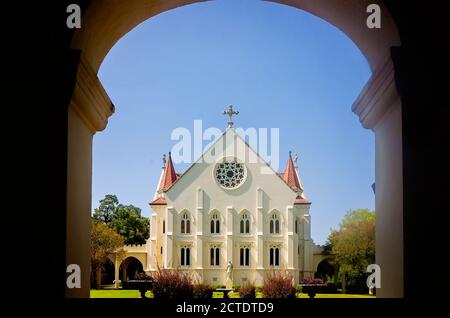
{"x":122,"y":293}
{"x":117,"y":293}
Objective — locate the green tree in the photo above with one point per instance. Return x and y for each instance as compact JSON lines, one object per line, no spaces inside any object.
{"x":354,"y":245}
{"x":106,"y":209}
{"x":128,"y":222}
{"x":106,"y":245}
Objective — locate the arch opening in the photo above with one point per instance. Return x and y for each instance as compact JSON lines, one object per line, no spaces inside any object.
{"x":103,"y":28}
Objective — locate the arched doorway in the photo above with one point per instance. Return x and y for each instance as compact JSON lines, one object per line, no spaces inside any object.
{"x":378,"y":107}
{"x":326,"y":270}
{"x":129,"y":268}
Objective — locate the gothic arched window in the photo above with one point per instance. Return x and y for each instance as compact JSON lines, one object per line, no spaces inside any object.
{"x":214,"y":256}
{"x":244,"y":259}
{"x":274,"y":256}
{"x":274,"y":227}
{"x":185,"y":227}
{"x":245,"y":224}
{"x":215,"y":224}
{"x":185,"y":256}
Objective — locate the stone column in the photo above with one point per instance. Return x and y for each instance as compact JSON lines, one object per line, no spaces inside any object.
{"x":168,"y":248}
{"x":199,"y":230}
{"x":379,"y":108}
{"x":152,"y":253}
{"x":259,"y":248}
{"x":116,"y":272}
{"x":229,"y":237}
{"x":88,"y":113}
{"x":307,"y":242}
{"x":289,"y":238}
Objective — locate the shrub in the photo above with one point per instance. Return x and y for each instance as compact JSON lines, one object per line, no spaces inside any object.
{"x":142,"y":276}
{"x":248,"y":290}
{"x":172,"y":283}
{"x":203,"y":291}
{"x":279,"y":285}
{"x":311,"y":281}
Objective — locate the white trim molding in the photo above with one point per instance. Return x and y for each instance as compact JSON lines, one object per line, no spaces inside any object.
{"x":90,"y":100}
{"x":377,"y":96}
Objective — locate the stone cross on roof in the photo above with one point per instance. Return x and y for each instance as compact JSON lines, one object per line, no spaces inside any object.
{"x":230,"y":112}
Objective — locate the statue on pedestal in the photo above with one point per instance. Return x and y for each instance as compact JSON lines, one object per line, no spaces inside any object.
{"x":229,"y":283}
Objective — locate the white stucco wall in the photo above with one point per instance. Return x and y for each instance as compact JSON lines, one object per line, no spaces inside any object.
{"x":262,"y":194}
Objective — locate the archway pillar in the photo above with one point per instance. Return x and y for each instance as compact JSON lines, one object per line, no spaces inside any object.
{"x":379,"y":108}
{"x":88,"y":113}
{"x":116,"y":272}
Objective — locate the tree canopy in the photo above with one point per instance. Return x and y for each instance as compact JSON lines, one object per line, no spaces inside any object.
{"x":126,"y":220}
{"x":105,"y":245}
{"x":353,"y":244}
{"x":106,"y":209}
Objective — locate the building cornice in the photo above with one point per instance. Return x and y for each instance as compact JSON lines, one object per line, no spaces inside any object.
{"x":377,"y":97}
{"x":90,"y":100}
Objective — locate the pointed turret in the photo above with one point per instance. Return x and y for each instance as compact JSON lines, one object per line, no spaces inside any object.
{"x":169,"y":175}
{"x":290,"y":176}
{"x":167,"y":178}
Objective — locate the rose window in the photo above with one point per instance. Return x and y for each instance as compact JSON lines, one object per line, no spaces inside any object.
{"x":230,"y":174}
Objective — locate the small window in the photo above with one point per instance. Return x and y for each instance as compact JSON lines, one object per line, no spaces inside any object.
{"x":274,"y":256}
{"x":185,"y":226}
{"x":274,"y":226}
{"x":214,"y":254}
{"x":217,"y":256}
{"x":245,"y":224}
{"x":296,"y":226}
{"x":211,"y":256}
{"x":244,"y":259}
{"x":164,"y":227}
{"x":215,"y":224}
{"x":185,"y":254}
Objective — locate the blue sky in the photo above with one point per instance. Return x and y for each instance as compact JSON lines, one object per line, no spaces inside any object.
{"x":281,"y":68}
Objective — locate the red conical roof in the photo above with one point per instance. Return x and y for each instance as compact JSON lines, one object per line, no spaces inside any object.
{"x":290,"y":174}
{"x":159,"y":201}
{"x":300,"y":200}
{"x":169,"y":176}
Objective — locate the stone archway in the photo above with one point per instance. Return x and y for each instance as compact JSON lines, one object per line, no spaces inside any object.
{"x":378,"y":107}
{"x":129,"y":267}
{"x":325,"y":269}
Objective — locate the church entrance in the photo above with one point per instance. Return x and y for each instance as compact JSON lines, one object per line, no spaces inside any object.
{"x":326,"y":270}
{"x":378,"y":108}
{"x":129,"y":268}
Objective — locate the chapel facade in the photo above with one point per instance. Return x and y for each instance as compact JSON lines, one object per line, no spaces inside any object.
{"x":230,"y":206}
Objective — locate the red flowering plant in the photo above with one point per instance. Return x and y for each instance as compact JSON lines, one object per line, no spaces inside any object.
{"x":311,"y":286}
{"x":312,"y":281}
